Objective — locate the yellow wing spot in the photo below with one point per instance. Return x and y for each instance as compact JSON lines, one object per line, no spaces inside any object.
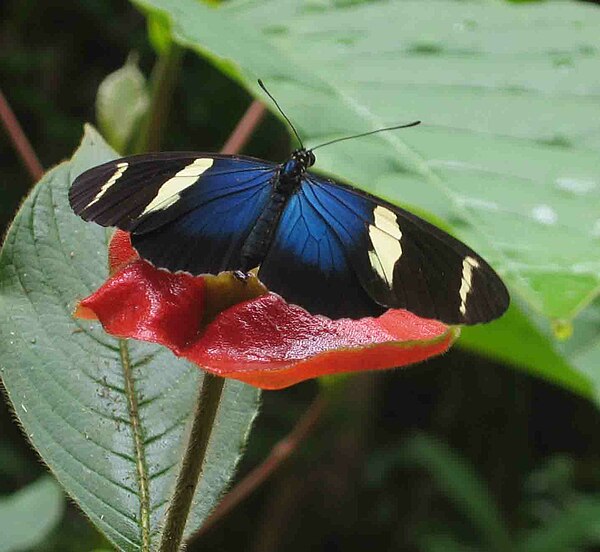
{"x":121,"y":168}
{"x":385,"y":236}
{"x":468,"y":265}
{"x":386,"y":220}
{"x":170,"y":191}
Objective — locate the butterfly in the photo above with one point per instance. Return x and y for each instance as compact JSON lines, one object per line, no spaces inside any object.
{"x":324,"y":245}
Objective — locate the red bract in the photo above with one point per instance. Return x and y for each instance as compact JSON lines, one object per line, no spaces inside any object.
{"x":240,"y":330}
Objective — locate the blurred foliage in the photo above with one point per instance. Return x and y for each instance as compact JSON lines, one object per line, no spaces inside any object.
{"x":359,"y":486}
{"x":525,"y":457}
{"x":29,"y":514}
{"x":122,"y":103}
{"x":555,"y":515}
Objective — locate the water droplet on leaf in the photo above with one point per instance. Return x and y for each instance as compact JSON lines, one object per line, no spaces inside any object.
{"x":544,"y":214}
{"x":562,"y":329}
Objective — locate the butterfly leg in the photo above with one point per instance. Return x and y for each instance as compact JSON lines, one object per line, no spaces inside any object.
{"x":241,"y":275}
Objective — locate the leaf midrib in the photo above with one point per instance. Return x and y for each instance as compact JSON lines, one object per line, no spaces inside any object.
{"x":138,"y":443}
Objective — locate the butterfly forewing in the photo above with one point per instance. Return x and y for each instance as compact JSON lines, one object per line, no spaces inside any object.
{"x":187,"y":211}
{"x":403,"y":261}
{"x":209,"y":238}
{"x":126,"y":191}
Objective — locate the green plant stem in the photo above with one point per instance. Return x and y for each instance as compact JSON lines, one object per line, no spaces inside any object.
{"x":138,"y":442}
{"x":164,"y":79}
{"x":191,"y":466}
{"x":206,"y":407}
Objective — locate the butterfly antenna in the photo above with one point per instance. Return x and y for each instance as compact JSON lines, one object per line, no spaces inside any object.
{"x":261,"y":84}
{"x":415,"y":123}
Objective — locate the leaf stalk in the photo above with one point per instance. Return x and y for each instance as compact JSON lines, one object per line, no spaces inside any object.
{"x":163,"y":81}
{"x":191,"y":466}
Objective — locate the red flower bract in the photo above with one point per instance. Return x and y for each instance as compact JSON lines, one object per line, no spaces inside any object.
{"x":240,"y":330}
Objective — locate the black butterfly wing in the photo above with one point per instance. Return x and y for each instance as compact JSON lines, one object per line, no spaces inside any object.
{"x":402,"y":261}
{"x":185,"y":211}
{"x":308,"y":265}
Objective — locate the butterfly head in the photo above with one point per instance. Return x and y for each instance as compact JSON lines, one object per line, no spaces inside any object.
{"x":304,"y":158}
{"x":300,"y":160}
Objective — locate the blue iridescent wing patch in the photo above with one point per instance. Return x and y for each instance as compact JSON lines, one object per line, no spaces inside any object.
{"x":309,"y":265}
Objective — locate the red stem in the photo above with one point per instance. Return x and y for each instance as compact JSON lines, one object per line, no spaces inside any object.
{"x":278,"y":455}
{"x":244,"y":129}
{"x":19,"y":140}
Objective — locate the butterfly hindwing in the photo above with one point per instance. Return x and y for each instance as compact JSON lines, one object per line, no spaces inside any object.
{"x":403,"y":261}
{"x":308,"y":265}
{"x":186,"y":211}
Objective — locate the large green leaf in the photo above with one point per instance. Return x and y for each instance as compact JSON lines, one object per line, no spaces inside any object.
{"x":582,"y":351}
{"x":571,"y":362}
{"x":107,"y":416}
{"x":517,"y":339}
{"x":506,"y":158}
{"x":28,"y":516}
{"x":497,"y":85}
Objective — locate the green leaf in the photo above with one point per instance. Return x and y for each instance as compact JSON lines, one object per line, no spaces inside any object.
{"x":517,"y":340}
{"x":159,"y":32}
{"x":582,"y":350}
{"x":528,"y":342}
{"x":121,"y":103}
{"x":497,"y":85}
{"x":28,"y":515}
{"x":108,"y":417}
{"x":506,"y":157}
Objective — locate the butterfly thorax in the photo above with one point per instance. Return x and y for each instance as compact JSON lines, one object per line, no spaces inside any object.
{"x":286,"y":181}
{"x":291,"y":172}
